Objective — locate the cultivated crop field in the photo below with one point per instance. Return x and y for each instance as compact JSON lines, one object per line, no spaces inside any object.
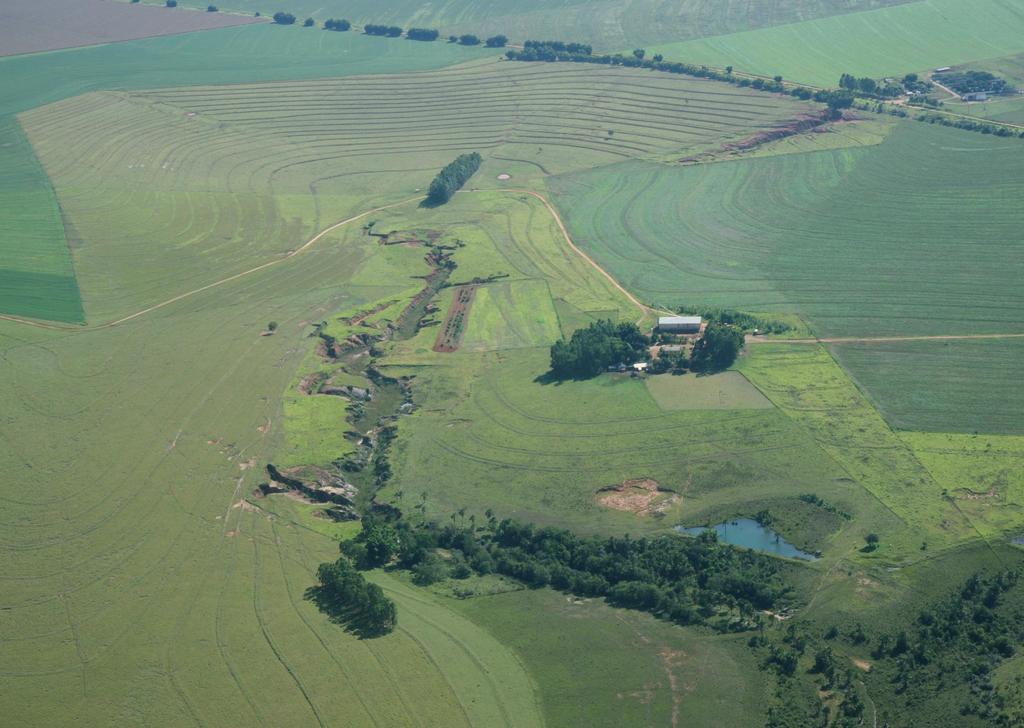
{"x":214,"y":259}
{"x":892,"y":41}
{"x":827,"y":234}
{"x":27,"y":26}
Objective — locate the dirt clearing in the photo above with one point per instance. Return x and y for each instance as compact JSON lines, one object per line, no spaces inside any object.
{"x":641,"y":496}
{"x":29,"y":26}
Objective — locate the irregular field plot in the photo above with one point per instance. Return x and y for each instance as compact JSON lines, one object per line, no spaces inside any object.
{"x":917,"y":235}
{"x":727,"y":390}
{"x":27,"y":26}
{"x":915,"y":36}
{"x":943,"y":386}
{"x":511,"y":316}
{"x":984,"y":473}
{"x":611,"y":25}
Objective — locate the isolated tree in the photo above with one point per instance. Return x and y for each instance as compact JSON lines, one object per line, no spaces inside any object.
{"x":728,"y":69}
{"x":658,"y":58}
{"x":272,"y":326}
{"x":211,"y":8}
{"x":171,"y":3}
{"x":308,"y":23}
{"x":639,"y":53}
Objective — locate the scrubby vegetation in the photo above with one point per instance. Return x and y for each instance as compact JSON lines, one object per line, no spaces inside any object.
{"x":592,"y":350}
{"x":450,"y":179}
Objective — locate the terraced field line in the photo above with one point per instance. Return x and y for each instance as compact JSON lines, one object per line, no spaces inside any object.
{"x":222,"y":281}
{"x":645,"y":310}
{"x":882,"y":339}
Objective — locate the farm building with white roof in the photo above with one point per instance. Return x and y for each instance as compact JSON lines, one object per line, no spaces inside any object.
{"x":679,"y":324}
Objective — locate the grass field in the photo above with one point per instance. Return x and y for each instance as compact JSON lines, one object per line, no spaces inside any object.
{"x":942,"y":386}
{"x":915,"y":36}
{"x":32,"y":227}
{"x":728,"y":390}
{"x":37,"y":277}
{"x":607,"y":24}
{"x":830,"y":235}
{"x":236,"y":165}
{"x":29,"y":26}
{"x":612,"y":667}
{"x":512,"y":316}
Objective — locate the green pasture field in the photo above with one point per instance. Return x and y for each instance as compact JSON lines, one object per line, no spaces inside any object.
{"x":612,"y":667}
{"x":982,"y":473}
{"x":34,"y":237}
{"x":511,"y":316}
{"x":891,"y":41}
{"x":811,"y":388}
{"x":607,"y":24}
{"x":841,"y":237}
{"x":942,"y":386}
{"x":234,"y":167}
{"x":727,"y":390}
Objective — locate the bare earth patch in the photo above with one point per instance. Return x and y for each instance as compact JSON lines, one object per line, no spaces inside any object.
{"x":29,"y":26}
{"x":863,"y":665}
{"x":641,"y":496}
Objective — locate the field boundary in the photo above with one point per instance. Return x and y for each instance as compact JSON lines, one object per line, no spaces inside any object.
{"x":881,"y":339}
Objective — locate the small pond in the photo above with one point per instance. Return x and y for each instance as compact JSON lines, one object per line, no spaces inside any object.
{"x":750,"y":534}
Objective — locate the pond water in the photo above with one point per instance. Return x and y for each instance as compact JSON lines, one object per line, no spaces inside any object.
{"x":750,"y":534}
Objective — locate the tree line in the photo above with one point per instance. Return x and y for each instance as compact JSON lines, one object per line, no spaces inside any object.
{"x":680,"y":579}
{"x":450,"y":179}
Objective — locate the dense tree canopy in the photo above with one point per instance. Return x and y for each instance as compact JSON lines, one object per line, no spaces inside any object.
{"x":391,"y":31}
{"x":450,"y":179}
{"x":717,"y":349}
{"x":284,"y":18}
{"x":339,"y":25}
{"x":592,"y":350}
{"x":422,"y":34}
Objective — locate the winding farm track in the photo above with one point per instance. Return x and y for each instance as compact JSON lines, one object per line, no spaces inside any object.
{"x":881,"y":339}
{"x":644,"y":310}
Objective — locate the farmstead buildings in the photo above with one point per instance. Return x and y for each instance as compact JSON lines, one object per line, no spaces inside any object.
{"x":679,"y":324}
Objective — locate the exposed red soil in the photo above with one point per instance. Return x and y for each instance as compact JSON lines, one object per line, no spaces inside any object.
{"x":641,"y":496}
{"x":454,"y":326}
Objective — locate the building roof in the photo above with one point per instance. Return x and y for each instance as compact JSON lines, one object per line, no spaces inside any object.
{"x":679,"y":320}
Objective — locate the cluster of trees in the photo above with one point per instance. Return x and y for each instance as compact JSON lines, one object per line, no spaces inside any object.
{"x":685,"y":580}
{"x":211,"y":8}
{"x":868,"y":86}
{"x":556,"y":47}
{"x":391,"y":31}
{"x":340,"y":25}
{"x":468,"y":39}
{"x":496,"y":41}
{"x":959,"y":641}
{"x":422,"y":34}
{"x":282,"y":18}
{"x":450,"y":179}
{"x":964,"y":82}
{"x":816,"y":500}
{"x":350,"y":600}
{"x":592,"y":350}
{"x":739,"y":319}
{"x":717,"y":349}
{"x":171,"y":3}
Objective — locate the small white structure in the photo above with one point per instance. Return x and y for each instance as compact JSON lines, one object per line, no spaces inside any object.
{"x":640,"y":366}
{"x":679,"y":324}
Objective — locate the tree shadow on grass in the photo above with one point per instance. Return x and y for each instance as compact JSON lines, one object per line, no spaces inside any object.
{"x":352,"y":619}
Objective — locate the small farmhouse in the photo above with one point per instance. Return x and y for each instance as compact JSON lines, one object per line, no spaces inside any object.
{"x":975,"y":96}
{"x":679,"y":324}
